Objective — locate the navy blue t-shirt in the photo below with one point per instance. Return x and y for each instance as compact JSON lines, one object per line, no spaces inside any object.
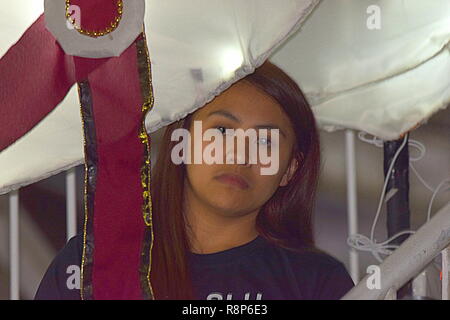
{"x":257,"y":270}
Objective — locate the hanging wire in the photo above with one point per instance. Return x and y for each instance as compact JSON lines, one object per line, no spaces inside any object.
{"x":362,"y":242}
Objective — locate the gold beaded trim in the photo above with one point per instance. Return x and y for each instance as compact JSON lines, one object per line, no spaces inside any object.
{"x":97,"y":33}
{"x":90,"y":177}
{"x":85,"y":194}
{"x":145,"y":74}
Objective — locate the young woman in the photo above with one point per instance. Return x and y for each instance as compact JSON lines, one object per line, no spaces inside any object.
{"x":224,"y":230}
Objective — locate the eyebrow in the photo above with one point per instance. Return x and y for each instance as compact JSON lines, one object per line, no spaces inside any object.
{"x":232,"y":117}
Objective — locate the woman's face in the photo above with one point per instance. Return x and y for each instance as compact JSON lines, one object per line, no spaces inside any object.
{"x":238,"y":189}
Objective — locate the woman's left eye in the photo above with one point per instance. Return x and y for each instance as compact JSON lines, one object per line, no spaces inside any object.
{"x":264,"y":141}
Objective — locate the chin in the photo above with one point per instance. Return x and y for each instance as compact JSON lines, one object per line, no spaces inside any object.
{"x":229,"y":206}
{"x":233,"y":212}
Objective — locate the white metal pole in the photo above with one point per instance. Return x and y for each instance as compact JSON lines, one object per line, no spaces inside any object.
{"x":446,"y":274}
{"x":352,"y":213}
{"x":71,"y":204}
{"x":14,"y":244}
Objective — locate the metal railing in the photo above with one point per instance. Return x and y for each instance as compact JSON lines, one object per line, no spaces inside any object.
{"x":407,"y":261}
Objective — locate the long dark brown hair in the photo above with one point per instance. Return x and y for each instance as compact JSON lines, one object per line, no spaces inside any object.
{"x":285,"y":219}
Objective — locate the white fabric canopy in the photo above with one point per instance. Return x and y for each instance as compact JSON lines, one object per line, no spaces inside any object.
{"x":382,"y":81}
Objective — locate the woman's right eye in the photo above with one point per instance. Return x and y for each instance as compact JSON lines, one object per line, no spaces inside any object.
{"x":221,"y":129}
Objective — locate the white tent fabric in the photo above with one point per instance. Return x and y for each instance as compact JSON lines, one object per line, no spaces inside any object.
{"x":383,"y":81}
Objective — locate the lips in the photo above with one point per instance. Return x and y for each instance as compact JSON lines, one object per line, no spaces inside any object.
{"x":233,"y":179}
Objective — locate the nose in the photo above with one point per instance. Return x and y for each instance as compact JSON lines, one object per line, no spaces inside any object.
{"x":235,"y":154}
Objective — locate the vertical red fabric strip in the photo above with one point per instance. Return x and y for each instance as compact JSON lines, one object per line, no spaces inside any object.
{"x":118,"y":222}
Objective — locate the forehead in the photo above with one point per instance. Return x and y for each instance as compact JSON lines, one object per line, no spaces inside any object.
{"x":248,"y":103}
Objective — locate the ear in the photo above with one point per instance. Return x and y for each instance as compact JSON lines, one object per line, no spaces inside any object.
{"x":289,"y":172}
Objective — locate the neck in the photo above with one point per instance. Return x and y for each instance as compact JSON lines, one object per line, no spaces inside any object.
{"x":210,"y":231}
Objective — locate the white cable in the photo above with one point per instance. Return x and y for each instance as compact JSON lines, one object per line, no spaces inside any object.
{"x":386,"y":180}
{"x":418,"y":145}
{"x":363,"y":243}
{"x":375,"y":141}
{"x":412,"y":143}
{"x":434,"y":195}
{"x":421,"y":179}
{"x":421,"y":147}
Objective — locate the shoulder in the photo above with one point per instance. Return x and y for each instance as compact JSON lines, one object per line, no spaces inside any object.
{"x":327,"y":277}
{"x":61,"y":280}
{"x":72,"y":252}
{"x":306,"y":257}
{"x":74,"y":245}
{"x":314,"y":259}
{"x":318,"y":274}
